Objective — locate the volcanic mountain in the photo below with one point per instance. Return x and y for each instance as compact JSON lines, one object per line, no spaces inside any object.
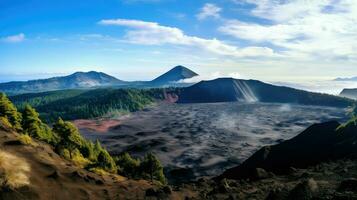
{"x":349,"y":93}
{"x":77,"y":80}
{"x":175,"y":74}
{"x":230,"y":90}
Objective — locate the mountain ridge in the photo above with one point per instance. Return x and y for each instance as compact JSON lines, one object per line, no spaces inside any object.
{"x":346,"y":79}
{"x":231,"y":90}
{"x":349,"y":93}
{"x":73,"y":81}
{"x":94,"y":79}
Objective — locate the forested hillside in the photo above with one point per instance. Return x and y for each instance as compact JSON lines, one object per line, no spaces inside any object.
{"x":84,"y":104}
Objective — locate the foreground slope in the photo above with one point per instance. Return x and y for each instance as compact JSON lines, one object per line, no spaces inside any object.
{"x":52,"y":177}
{"x":77,"y":80}
{"x":230,"y":90}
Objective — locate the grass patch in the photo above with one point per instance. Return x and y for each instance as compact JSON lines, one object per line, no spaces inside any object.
{"x":13,"y":171}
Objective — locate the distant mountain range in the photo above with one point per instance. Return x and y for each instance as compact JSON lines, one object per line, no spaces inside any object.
{"x":349,"y":93}
{"x":346,"y":79}
{"x":93,"y":79}
{"x":230,"y":90}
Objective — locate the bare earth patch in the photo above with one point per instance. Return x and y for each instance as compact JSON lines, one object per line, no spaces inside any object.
{"x":99,"y":126}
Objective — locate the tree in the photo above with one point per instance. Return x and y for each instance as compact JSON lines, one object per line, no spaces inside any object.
{"x":32,"y":125}
{"x":129,"y":166}
{"x":88,"y":151}
{"x":151,"y":165}
{"x":69,"y":135}
{"x":106,"y":162}
{"x":9,"y":111}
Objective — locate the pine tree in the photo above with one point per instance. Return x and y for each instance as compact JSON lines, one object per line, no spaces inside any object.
{"x":151,"y":166}
{"x":9,"y":111}
{"x":106,"y":162}
{"x":69,"y":135}
{"x":32,"y":125}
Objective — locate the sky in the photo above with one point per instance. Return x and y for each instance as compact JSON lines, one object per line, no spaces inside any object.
{"x":271,"y":40}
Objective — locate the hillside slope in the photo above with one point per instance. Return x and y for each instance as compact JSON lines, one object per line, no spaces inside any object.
{"x":74,"y":81}
{"x":319,"y":143}
{"x":52,"y":177}
{"x":230,"y":90}
{"x":84,"y":104}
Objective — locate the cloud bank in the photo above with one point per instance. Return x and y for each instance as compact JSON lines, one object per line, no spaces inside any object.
{"x":151,"y":33}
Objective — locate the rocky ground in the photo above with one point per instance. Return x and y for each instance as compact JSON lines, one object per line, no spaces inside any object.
{"x":332,"y":180}
{"x":195,"y":140}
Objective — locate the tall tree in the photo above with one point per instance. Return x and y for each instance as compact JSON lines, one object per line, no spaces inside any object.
{"x":151,"y":165}
{"x":32,"y":125}
{"x":9,"y":111}
{"x":69,"y":135}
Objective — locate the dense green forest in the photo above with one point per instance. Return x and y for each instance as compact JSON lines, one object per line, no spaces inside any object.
{"x":85,"y":104}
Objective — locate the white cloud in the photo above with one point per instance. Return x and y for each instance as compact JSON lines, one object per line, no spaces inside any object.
{"x":209,"y":10}
{"x":315,"y":30}
{"x":14,"y":38}
{"x":151,"y":33}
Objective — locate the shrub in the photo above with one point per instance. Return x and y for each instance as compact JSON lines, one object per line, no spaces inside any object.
{"x":106,"y":162}
{"x":5,"y":122}
{"x":65,"y":154}
{"x":130,"y":167}
{"x":78,"y":158}
{"x":13,"y":171}
{"x":98,"y":171}
{"x":25,"y":139}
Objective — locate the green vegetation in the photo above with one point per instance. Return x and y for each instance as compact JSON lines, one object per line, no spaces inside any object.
{"x":85,"y":104}
{"x":33,"y":126}
{"x":149,"y":168}
{"x":152,"y":168}
{"x":69,"y":143}
{"x":43,"y":98}
{"x":130,"y":167}
{"x":9,"y":112}
{"x":25,"y":139}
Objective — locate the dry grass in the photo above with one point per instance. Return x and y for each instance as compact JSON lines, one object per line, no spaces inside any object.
{"x":14,"y":171}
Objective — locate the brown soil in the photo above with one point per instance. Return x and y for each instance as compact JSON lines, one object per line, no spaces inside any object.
{"x":99,"y":126}
{"x":52,"y":177}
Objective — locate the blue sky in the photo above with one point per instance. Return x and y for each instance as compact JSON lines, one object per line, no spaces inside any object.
{"x":272,"y":40}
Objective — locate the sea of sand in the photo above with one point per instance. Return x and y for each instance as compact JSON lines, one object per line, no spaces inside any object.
{"x":196,"y":140}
